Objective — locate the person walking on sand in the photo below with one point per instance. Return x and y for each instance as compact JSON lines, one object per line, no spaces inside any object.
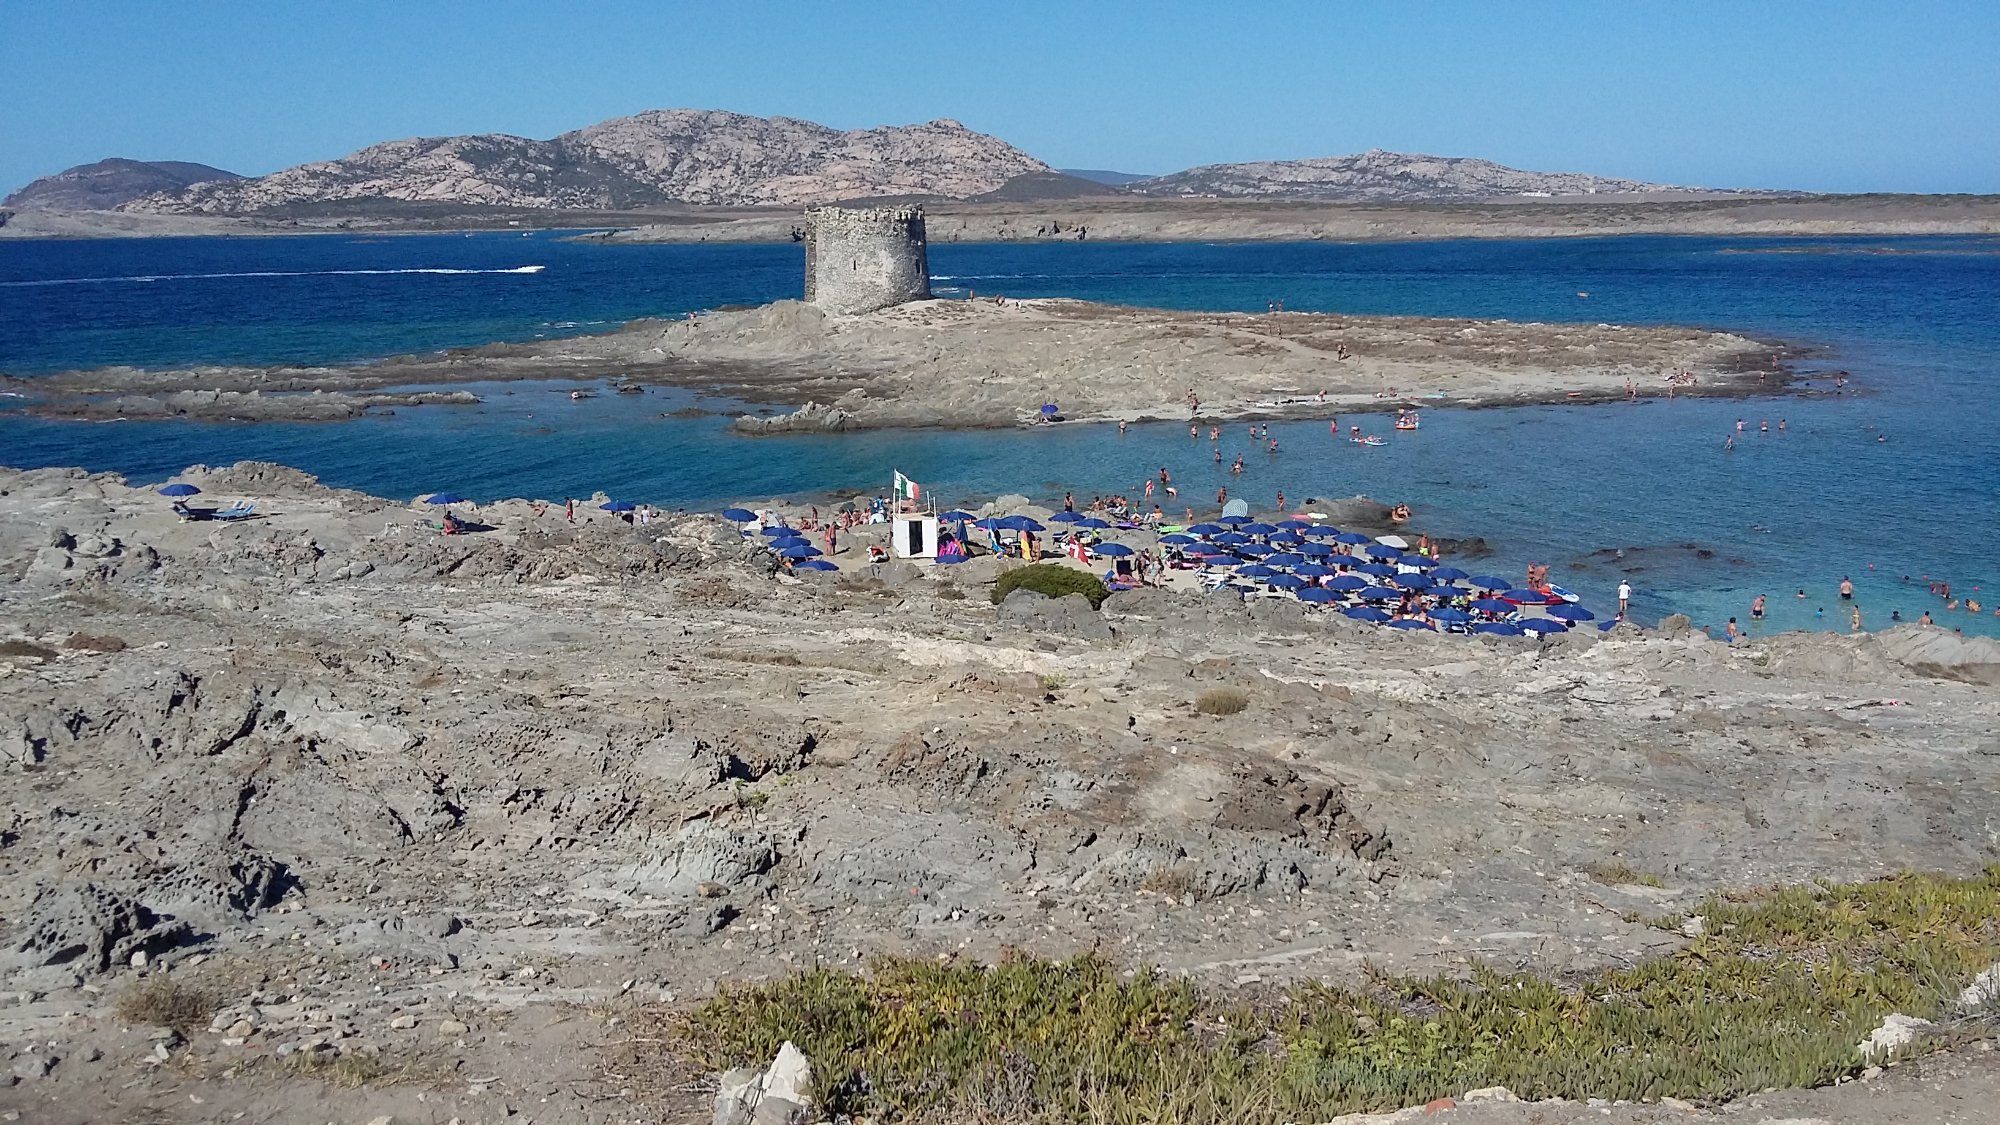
{"x":1624,"y":599}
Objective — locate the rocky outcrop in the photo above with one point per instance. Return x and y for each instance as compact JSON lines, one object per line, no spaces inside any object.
{"x":651,"y":158}
{"x":1382,"y":176}
{"x":109,"y":183}
{"x":812,"y":418}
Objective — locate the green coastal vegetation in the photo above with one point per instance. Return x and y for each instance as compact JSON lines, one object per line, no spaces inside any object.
{"x":1776,"y":990}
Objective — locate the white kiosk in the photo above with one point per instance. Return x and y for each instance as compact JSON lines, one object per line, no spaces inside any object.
{"x":914,"y":537}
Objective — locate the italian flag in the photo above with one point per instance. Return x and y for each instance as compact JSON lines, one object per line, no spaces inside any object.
{"x":907,"y":489}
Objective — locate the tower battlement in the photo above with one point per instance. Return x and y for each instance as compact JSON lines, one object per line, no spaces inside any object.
{"x":860,"y":259}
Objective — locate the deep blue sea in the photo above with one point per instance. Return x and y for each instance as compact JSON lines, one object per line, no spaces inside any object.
{"x":1915,"y":321}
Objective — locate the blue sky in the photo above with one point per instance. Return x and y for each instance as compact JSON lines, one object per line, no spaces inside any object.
{"x":1834,"y":96}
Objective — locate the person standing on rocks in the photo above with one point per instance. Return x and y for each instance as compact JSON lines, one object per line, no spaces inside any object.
{"x":1624,"y":599}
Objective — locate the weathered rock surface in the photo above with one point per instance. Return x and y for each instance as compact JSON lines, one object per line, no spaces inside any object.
{"x":660,"y":156}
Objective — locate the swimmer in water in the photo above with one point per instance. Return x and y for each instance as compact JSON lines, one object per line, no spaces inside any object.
{"x":1757,"y":608}
{"x":1802,"y":593}
{"x":1847,"y":589}
{"x":1121,"y":427}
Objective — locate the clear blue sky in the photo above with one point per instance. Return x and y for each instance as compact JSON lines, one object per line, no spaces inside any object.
{"x":1828,"y":95}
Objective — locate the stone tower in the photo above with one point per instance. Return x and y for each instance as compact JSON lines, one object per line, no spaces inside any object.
{"x":859,"y":260}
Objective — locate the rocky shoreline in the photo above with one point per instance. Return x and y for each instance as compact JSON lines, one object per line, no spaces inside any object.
{"x":986,"y":363}
{"x":450,"y":808}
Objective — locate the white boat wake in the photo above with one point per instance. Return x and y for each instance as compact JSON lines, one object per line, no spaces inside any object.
{"x":257,"y":273}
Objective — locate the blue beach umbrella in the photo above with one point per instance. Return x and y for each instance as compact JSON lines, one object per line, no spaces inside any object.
{"x":956,"y":516}
{"x":1235,"y":521}
{"x":1488,"y":582}
{"x":1177,"y":540}
{"x":1380,"y":594}
{"x":1285,"y":582}
{"x":1543,"y":625}
{"x":1379,"y":570}
{"x":1497,"y":629}
{"x":1353,"y":538}
{"x":1021,"y":523}
{"x":1448,"y":574}
{"x":1232,"y":538}
{"x":1526,"y":597}
{"x":1348,"y":582}
{"x":1288,"y":538}
{"x":1112,"y":550}
{"x":800,"y":551}
{"x":178,"y":489}
{"x":990,"y":523}
{"x":1206,"y":529}
{"x":1315,"y":594}
{"x":1312,"y":570}
{"x":1607,"y":625}
{"x":778,"y":532}
{"x":1446,"y":613}
{"x":1255,"y":570}
{"x":1050,"y":410}
{"x":1492,"y":605}
{"x":1367,"y":613}
{"x":1284,"y":558}
{"x":1256,"y":528}
{"x":1066,"y":517}
{"x":618,"y":505}
{"x":814,"y":564}
{"x":1093,"y":523}
{"x":1314,"y":550}
{"x":446,"y":498}
{"x":1412,"y":581}
{"x":1410,"y":623}
{"x":1379,"y":551}
{"x":1254,"y":550}
{"x":1571,"y":613}
{"x":738,"y":515}
{"x":1319,"y":531}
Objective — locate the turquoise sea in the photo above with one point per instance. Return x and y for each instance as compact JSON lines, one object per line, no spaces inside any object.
{"x":1900,"y":476}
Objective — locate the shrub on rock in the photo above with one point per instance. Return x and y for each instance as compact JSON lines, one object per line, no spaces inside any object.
{"x":1052,"y":581}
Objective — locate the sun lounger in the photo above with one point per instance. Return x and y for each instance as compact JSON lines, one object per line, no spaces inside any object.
{"x":240,"y":511}
{"x":193,"y":514}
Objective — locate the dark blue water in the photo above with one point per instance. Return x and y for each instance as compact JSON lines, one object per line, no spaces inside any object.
{"x":1913,"y":320}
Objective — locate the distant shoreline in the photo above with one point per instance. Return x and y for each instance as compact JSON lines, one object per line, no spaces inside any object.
{"x":1112,"y":219}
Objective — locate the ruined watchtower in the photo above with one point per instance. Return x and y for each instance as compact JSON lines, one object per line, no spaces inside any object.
{"x":859,"y":260}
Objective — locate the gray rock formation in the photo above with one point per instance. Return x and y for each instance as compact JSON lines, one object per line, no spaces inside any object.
{"x":660,"y":156}
{"x":109,"y":183}
{"x":1382,"y":176}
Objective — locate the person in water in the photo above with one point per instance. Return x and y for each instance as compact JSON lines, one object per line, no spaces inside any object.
{"x":1847,"y":589}
{"x":1925,"y":619}
{"x":1757,"y":608}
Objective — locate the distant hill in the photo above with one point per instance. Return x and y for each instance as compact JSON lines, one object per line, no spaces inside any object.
{"x":658,"y":157}
{"x":1100,"y":176}
{"x":106,"y":184}
{"x":1034,"y":187}
{"x":1384,"y":177}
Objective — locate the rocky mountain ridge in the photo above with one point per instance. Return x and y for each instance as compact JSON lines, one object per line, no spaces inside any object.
{"x":710,"y":157}
{"x":1378,"y":176}
{"x":109,"y":183}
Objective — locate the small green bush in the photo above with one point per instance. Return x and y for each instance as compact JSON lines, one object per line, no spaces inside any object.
{"x":1050,"y":580}
{"x":1222,"y":701}
{"x":1775,"y":993}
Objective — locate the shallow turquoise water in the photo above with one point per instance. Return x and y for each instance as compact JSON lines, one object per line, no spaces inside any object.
{"x":1913,"y":320}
